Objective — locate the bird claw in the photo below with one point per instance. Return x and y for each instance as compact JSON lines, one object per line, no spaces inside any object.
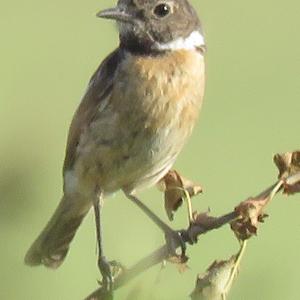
{"x":174,"y":240}
{"x":105,"y":268}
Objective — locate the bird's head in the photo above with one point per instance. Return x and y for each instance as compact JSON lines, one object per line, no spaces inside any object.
{"x":156,"y":25}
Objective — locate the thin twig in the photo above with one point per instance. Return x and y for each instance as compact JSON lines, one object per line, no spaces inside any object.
{"x":161,"y":254}
{"x":187,"y":199}
{"x":234,"y":271}
{"x":188,"y":235}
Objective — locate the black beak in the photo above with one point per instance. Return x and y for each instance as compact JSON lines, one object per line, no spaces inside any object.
{"x":116,"y":14}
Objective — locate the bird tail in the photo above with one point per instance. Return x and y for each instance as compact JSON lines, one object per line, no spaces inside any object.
{"x":52,"y":245}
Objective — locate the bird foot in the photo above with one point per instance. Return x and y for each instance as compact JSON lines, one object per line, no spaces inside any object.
{"x":174,"y":240}
{"x":105,"y":268}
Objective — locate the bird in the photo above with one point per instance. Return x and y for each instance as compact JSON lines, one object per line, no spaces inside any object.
{"x":138,"y":111}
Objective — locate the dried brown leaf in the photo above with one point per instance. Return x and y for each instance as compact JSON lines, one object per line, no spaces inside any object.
{"x":251,"y":214}
{"x":203,"y":219}
{"x":174,"y":185}
{"x":213,"y":284}
{"x":180,"y":262}
{"x":289,"y":166}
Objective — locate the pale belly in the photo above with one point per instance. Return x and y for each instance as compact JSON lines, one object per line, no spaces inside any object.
{"x":127,"y":158}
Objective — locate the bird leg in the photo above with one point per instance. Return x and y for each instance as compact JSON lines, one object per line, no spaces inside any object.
{"x":173,"y":237}
{"x":103,"y":264}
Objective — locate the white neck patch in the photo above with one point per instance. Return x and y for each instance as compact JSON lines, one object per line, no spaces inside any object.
{"x":194,"y":40}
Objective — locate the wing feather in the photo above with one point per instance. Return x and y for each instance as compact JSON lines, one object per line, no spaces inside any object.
{"x":99,"y":88}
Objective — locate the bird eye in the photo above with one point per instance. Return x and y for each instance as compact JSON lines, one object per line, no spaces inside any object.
{"x":161,"y":10}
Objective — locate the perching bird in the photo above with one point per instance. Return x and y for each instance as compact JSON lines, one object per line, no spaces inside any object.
{"x":136,"y":115}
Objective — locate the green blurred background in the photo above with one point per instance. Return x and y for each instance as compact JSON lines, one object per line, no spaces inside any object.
{"x":48,"y":51}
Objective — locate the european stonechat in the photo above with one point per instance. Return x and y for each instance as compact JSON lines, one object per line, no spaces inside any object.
{"x":140,"y":107}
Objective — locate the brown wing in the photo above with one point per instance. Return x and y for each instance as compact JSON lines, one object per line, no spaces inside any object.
{"x":99,"y":88}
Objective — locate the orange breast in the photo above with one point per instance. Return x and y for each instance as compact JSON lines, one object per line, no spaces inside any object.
{"x":163,"y":90}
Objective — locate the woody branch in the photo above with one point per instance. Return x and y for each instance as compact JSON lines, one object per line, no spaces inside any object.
{"x":244,"y":221}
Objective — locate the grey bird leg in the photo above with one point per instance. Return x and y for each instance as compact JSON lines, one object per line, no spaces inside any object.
{"x":173,"y":237}
{"x":103,"y":263}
